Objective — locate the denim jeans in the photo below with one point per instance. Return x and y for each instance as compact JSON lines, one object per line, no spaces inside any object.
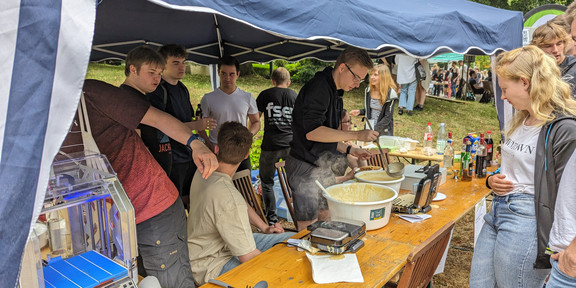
{"x":263,"y":243}
{"x":559,"y":279}
{"x":453,"y":88}
{"x":267,"y":169}
{"x":408,"y":95}
{"x":507,"y":245}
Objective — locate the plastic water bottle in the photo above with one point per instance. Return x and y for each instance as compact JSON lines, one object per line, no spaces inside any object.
{"x":441,"y":140}
{"x":428,"y":136}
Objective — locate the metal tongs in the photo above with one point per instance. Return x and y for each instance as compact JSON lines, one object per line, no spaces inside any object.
{"x":395,"y":169}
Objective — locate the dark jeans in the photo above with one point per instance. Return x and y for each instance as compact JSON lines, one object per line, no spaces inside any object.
{"x":267,"y":170}
{"x":163,"y":246}
{"x":181,"y":175}
{"x":307,"y":197}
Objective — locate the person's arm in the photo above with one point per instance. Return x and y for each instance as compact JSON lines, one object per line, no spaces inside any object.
{"x":260,"y":224}
{"x":202,"y":124}
{"x":246,"y":257}
{"x":567,"y":259}
{"x":325,"y":134}
{"x":254,"y":123}
{"x":204,"y":159}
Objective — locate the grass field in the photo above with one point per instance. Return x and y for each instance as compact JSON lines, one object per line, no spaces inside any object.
{"x":459,"y":118}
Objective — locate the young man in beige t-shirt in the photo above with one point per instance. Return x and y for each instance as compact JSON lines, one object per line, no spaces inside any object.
{"x":219,"y":233}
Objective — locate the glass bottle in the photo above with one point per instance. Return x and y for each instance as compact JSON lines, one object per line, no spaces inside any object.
{"x":489,"y":148}
{"x":466,"y":162}
{"x":481,"y":157}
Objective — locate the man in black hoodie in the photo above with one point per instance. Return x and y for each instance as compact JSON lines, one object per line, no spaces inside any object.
{"x":316,"y":117}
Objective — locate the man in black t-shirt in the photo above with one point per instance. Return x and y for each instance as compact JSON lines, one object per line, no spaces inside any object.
{"x":276,"y":105}
{"x":476,"y":89}
{"x":172,"y":97}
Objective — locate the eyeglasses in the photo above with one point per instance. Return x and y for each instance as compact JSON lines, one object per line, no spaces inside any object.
{"x":357,"y":78}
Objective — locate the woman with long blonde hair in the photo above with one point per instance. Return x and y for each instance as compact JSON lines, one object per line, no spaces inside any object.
{"x":532,"y":209}
{"x":380,"y":96}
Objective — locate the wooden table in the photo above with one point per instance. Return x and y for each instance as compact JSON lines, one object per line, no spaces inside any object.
{"x":383,"y":255}
{"x":417,"y":155}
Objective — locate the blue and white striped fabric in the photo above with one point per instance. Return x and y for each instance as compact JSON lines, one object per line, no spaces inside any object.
{"x":44,"y":47}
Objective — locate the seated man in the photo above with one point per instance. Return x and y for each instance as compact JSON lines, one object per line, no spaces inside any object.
{"x":476,"y":89}
{"x":219,"y":233}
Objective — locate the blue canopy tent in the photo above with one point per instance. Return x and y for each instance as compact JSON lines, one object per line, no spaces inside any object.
{"x":261,"y":31}
{"x":46,"y":47}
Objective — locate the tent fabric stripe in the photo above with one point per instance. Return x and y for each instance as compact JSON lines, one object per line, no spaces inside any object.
{"x":47,"y":46}
{"x":25,"y":128}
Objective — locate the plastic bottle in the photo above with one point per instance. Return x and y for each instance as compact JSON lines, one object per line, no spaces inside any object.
{"x":441,"y":139}
{"x":489,"y":148}
{"x":448,"y":159}
{"x":428,"y":137}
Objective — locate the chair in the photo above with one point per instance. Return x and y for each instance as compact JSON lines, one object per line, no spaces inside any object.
{"x":243,"y":183}
{"x":280,"y":168}
{"x":376,"y":159}
{"x":423,"y":261}
{"x":471,"y":94}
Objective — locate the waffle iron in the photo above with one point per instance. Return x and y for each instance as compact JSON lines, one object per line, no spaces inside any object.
{"x":337,"y":236}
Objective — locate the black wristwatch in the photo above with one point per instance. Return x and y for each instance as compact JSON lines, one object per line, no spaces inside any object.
{"x":348,"y":149}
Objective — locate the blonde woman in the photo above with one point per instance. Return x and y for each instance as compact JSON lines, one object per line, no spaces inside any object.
{"x":380,"y":96}
{"x":532,"y":208}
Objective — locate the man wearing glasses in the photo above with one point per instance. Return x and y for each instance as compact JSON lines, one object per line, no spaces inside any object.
{"x":316,"y":117}
{"x":230,"y":103}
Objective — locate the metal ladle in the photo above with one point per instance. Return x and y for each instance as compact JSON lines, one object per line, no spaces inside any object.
{"x":395,"y":169}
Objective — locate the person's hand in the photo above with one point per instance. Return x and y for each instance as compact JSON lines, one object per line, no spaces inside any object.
{"x":567,"y":261}
{"x":209,"y":123}
{"x":367,"y":135}
{"x":354,"y":112}
{"x":276,"y":228}
{"x":360,"y":153}
{"x":204,"y":159}
{"x":499,"y":185}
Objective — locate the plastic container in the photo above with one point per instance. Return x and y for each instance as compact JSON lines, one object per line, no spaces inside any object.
{"x":370,"y":203}
{"x":379,"y":177}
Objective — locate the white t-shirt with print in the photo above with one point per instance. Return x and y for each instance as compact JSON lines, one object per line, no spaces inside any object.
{"x":519,"y":157}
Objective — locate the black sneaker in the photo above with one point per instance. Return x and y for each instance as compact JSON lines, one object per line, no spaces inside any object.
{"x":272,"y":219}
{"x":409,"y":112}
{"x":400,"y":111}
{"x":419,"y":107}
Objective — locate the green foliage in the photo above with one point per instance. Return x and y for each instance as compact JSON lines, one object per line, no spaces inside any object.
{"x":305,"y":69}
{"x":483,"y":62}
{"x":280,"y":63}
{"x":521,"y":5}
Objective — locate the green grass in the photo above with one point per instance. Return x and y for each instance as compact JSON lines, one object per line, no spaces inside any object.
{"x":460,"y":119}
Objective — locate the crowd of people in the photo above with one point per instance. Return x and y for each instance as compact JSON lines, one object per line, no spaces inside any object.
{"x":169,"y":163}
